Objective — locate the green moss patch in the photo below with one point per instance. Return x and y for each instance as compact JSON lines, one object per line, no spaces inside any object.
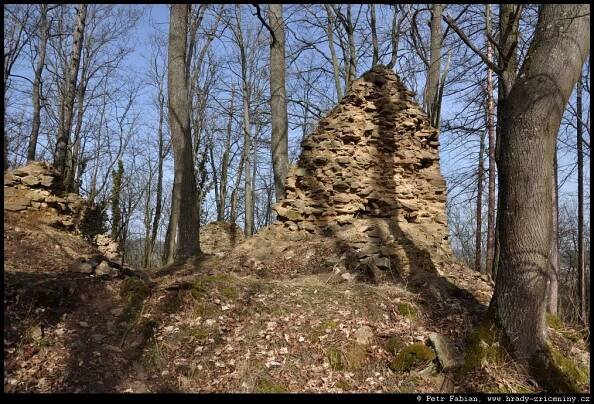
{"x":484,"y":347}
{"x":394,"y":344}
{"x":335,"y":357}
{"x":411,"y":357}
{"x":266,"y":385}
{"x":572,"y":378}
{"x":407,"y":310}
{"x":349,"y":358}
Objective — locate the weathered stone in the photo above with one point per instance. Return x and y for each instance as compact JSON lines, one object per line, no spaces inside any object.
{"x":103,"y":269}
{"x":446,"y":353}
{"x":363,"y":335}
{"x":81,"y":267}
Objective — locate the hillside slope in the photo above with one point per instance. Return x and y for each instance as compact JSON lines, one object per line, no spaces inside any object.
{"x":232,"y":324}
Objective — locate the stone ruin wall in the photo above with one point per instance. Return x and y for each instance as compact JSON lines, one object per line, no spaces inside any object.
{"x":219,"y":237}
{"x":369,"y":176}
{"x":37,"y":187}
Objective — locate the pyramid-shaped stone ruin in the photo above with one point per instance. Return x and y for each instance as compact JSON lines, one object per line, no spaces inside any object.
{"x":369,"y":176}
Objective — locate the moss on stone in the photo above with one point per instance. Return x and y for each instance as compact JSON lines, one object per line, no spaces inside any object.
{"x":412,"y":356}
{"x":350,"y":358}
{"x":266,"y":385}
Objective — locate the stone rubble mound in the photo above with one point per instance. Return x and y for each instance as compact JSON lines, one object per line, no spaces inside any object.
{"x":218,"y":238}
{"x":369,"y":176}
{"x":37,"y":189}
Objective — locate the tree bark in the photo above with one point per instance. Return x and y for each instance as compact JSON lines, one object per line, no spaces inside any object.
{"x":492,"y":166}
{"x":479,"y":209}
{"x":278,"y":101}
{"x":432,"y":85}
{"x":185,"y":233}
{"x":553,"y":285}
{"x":249,"y":202}
{"x":531,"y":120}
{"x":508,"y":38}
{"x":335,"y":66}
{"x":580,"y":240}
{"x":66,"y":120}
{"x":36,"y":119}
{"x":159,"y":191}
{"x":375,"y":58}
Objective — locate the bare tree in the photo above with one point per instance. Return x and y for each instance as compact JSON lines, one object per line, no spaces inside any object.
{"x":580,"y":237}
{"x":492,"y":167}
{"x":335,"y":65}
{"x":531,"y":119}
{"x":278,"y":100}
{"x":183,"y":240}
{"x":36,"y":119}
{"x":432,"y":88}
{"x":67,"y":111}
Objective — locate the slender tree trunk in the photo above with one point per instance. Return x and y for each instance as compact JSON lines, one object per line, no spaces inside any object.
{"x":225,"y":162}
{"x":234,"y":193}
{"x":479,"y":209}
{"x":531,"y":120}
{"x":184,"y":233}
{"x":492,"y":166}
{"x":146,"y":255}
{"x":350,"y":30}
{"x":278,"y":101}
{"x":335,"y":66}
{"x":64,"y":129}
{"x":374,"y":44}
{"x":249,"y":202}
{"x":159,"y":191}
{"x":553,"y":285}
{"x":394,"y":38}
{"x":73,"y":155}
{"x":580,"y":240}
{"x":36,"y":119}
{"x":432,"y":86}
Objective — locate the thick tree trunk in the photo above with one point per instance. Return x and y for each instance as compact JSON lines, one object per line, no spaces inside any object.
{"x":64,"y":128}
{"x":478,"y":254}
{"x":531,"y":120}
{"x":508,"y":39}
{"x":185,"y":234}
{"x":278,"y":101}
{"x":335,"y":66}
{"x":580,"y":241}
{"x":36,"y":118}
{"x":492,"y":167}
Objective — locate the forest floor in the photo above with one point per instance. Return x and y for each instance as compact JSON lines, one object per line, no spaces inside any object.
{"x":220,"y":325}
